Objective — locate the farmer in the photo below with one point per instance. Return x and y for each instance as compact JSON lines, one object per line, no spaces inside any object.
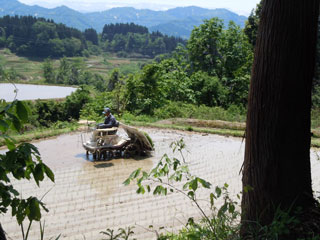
{"x":109,"y":120}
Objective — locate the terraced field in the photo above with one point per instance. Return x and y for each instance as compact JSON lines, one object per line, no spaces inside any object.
{"x":29,"y":70}
{"x":89,"y":197}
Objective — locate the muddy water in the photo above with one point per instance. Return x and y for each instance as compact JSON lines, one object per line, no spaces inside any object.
{"x":88,"y":197}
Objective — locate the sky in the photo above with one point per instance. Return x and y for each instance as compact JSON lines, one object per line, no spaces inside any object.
{"x":242,"y":7}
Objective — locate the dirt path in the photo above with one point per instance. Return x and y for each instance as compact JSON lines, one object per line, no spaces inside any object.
{"x":88,"y":197}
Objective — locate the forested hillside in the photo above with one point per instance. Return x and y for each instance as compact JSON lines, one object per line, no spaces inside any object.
{"x":131,"y":38}
{"x":177,"y":22}
{"x":39,"y":37}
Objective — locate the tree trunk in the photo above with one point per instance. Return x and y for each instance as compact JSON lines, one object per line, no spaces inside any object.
{"x":277,"y":152}
{"x":2,"y":234}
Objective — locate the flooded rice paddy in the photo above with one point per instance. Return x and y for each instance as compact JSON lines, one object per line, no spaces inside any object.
{"x":89,"y":197}
{"x":33,"y":92}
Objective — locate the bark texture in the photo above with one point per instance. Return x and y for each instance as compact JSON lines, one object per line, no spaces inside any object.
{"x":277,"y":152}
{"x":2,"y":234}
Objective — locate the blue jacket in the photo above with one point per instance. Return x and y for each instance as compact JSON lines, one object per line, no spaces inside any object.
{"x":109,"y":122}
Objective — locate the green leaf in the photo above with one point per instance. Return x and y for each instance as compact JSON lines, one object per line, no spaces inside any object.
{"x":204,"y":183}
{"x":32,"y":147}
{"x":218,"y":191}
{"x":38,"y":173}
{"x":135,"y":173}
{"x":145,"y":175}
{"x":10,"y":144}
{"x":43,"y":206}
{"x":212,"y":197}
{"x":247,"y":188}
{"x":166,"y":169}
{"x":222,"y":210}
{"x":16,"y":123}
{"x":194,"y":184}
{"x":3,"y":126}
{"x":157,"y":190}
{"x":231,"y":208}
{"x":126,"y":182}
{"x":48,"y":172}
{"x":22,"y":111}
{"x":164,"y":191}
{"x":191,"y":194}
{"x":141,"y":190}
{"x":34,"y":210}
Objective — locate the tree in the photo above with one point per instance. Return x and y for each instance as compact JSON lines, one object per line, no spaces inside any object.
{"x":63,"y":71}
{"x":91,"y":35}
{"x":203,"y":45}
{"x":277,"y":151}
{"x":207,"y":89}
{"x":48,"y":71}
{"x":75,"y":102}
{"x":114,"y":79}
{"x":252,"y":24}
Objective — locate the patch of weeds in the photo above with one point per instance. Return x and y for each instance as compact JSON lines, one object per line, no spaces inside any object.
{"x":189,"y":128}
{"x":121,"y":234}
{"x":165,"y":178}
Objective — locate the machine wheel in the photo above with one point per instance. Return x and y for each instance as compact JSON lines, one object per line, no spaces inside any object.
{"x":131,"y":150}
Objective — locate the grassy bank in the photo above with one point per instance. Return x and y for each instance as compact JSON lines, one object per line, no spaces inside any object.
{"x":223,"y":128}
{"x":218,"y":127}
{"x":42,"y":133}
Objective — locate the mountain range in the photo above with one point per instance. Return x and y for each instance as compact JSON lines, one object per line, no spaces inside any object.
{"x":177,"y":21}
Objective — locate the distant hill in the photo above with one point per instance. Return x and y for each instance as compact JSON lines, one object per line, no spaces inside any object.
{"x":178,"y":21}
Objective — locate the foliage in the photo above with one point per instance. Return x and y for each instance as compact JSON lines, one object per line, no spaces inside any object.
{"x":21,"y":162}
{"x":213,"y":70}
{"x":118,"y":97}
{"x":76,"y":101}
{"x":47,"y":112}
{"x":72,"y":72}
{"x":44,"y":113}
{"x":129,"y":117}
{"x":183,"y":110}
{"x":113,"y":80}
{"x":164,"y":178}
{"x":91,"y":35}
{"x":48,"y":71}
{"x":122,"y":234}
{"x":207,"y":89}
{"x":110,"y":30}
{"x":130,"y":38}
{"x":203,"y":45}
{"x":31,"y":36}
{"x":92,"y":110}
{"x":225,"y":54}
{"x":143,"y":91}
{"x":251,"y":26}
{"x":223,"y":222}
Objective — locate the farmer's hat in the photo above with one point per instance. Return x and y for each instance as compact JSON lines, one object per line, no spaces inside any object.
{"x":106,"y":110}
